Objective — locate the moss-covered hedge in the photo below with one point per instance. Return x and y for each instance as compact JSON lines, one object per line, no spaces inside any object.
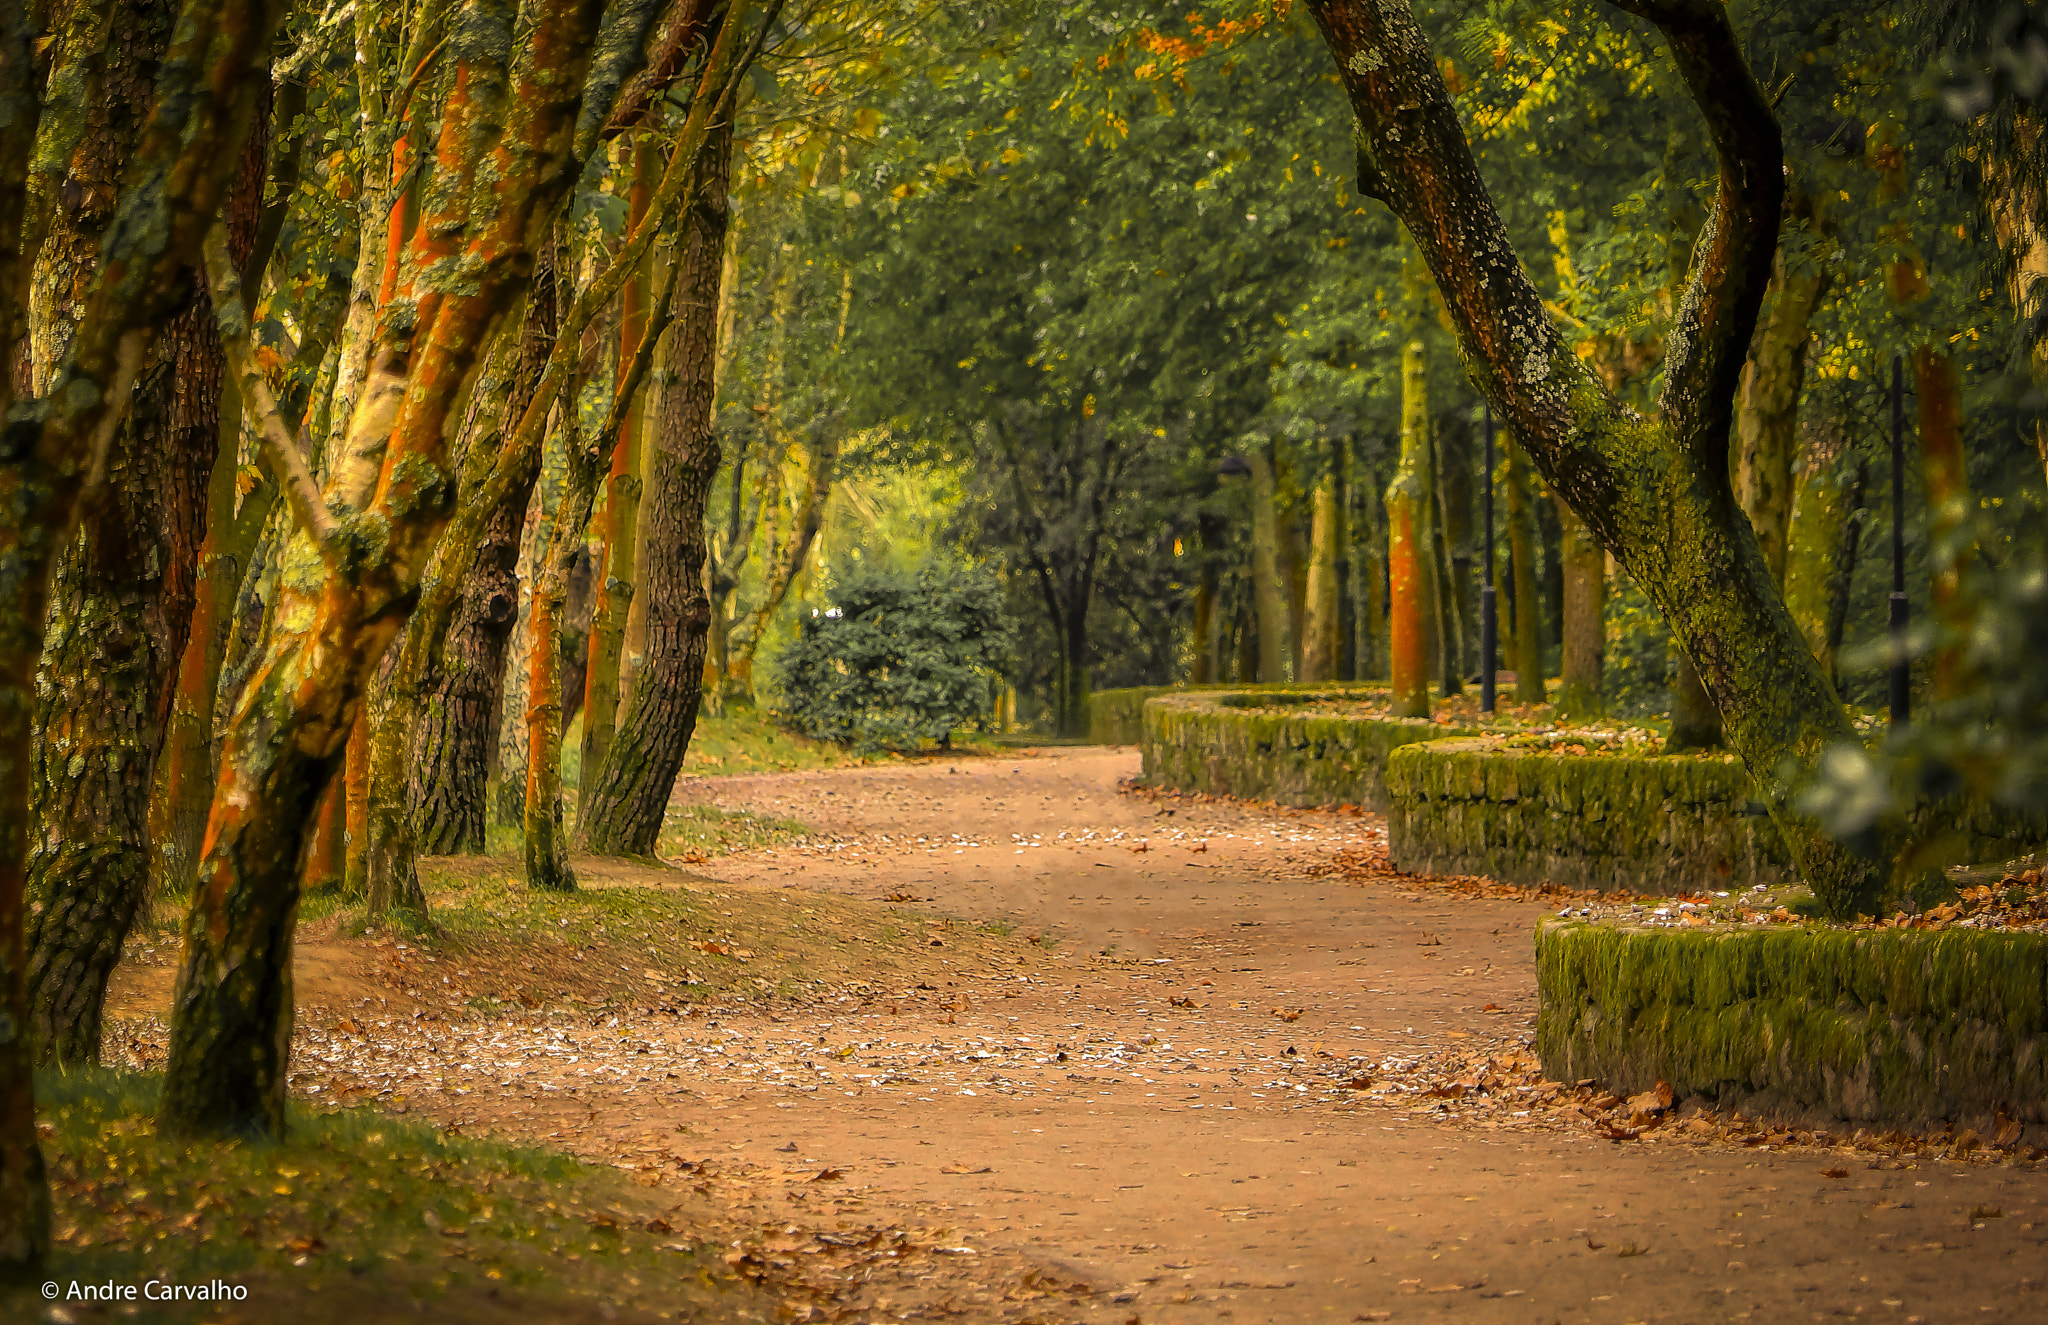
{"x":1585,"y":821}
{"x":1211,"y":743}
{"x":1894,"y":1026}
{"x":1116,"y":717}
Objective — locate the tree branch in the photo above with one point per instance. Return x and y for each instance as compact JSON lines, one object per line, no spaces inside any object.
{"x":1732,"y":263}
{"x":280,"y":450}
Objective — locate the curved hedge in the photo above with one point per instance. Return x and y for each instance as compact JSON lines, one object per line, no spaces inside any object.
{"x":1897,"y":1026}
{"x":1677,"y":824}
{"x":1211,"y":743}
{"x":1116,"y":717}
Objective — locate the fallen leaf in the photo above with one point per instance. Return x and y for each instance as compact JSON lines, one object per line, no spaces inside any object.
{"x":828,"y":1175}
{"x":965,"y":1168}
{"x":1287,"y":1014}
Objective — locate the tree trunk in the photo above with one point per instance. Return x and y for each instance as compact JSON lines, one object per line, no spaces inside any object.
{"x":621,"y":520}
{"x":1695,"y":722}
{"x":1460,"y":599}
{"x":455,"y":722}
{"x":546,"y":846}
{"x":1270,"y":592}
{"x":623,"y":802}
{"x":1943,"y":467}
{"x":122,"y":605}
{"x":1324,"y":648}
{"x":1767,"y":420}
{"x":184,"y":785}
{"x":1369,"y":580}
{"x":1526,"y":646}
{"x":1585,"y":630}
{"x":326,"y":848}
{"x":1827,"y":504}
{"x":123,"y":596}
{"x":1654,"y":492}
{"x":1411,"y":575}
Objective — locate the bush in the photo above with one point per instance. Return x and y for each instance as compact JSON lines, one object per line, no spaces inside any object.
{"x":898,"y":658}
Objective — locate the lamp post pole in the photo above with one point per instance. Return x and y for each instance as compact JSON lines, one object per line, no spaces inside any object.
{"x":1901,"y":679}
{"x":1489,"y":638}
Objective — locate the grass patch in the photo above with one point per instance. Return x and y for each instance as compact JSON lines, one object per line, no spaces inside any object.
{"x":356,"y":1216}
{"x":619,"y":942}
{"x":697,"y":833}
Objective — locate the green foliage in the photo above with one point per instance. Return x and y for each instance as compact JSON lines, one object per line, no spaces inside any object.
{"x":898,"y":658}
{"x":1985,"y":747}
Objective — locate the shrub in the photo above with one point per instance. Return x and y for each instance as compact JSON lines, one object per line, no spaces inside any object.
{"x":899,"y":657}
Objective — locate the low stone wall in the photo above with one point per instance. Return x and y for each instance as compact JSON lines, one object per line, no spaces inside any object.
{"x":1116,"y":717}
{"x":1604,"y":821}
{"x":1901,"y":1027}
{"x":1217,"y":744}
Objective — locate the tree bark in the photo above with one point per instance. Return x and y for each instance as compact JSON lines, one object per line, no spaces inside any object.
{"x":1460,"y":599}
{"x":1767,"y":421}
{"x":1827,"y":504}
{"x":1369,"y":575}
{"x":623,"y":802}
{"x":1944,"y":469}
{"x":1411,"y":573}
{"x":1656,"y":492}
{"x":1585,"y":630}
{"x":1526,"y":641}
{"x":1695,"y":722}
{"x":122,"y":598}
{"x":1324,"y":647}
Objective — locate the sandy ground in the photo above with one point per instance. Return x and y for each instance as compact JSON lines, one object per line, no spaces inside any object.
{"x":1212,"y":1089}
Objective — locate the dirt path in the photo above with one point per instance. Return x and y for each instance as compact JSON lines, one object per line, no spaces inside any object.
{"x":1222,"y":1085}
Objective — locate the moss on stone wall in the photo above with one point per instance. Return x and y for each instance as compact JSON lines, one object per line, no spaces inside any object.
{"x":1584,"y":821}
{"x":1207,"y":743}
{"x":1901,"y":1027}
{"x":1115,"y":717}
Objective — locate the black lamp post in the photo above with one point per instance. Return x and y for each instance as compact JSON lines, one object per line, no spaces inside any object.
{"x":1901,"y":679}
{"x":1488,"y":625}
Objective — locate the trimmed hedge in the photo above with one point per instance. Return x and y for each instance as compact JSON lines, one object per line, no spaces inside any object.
{"x":1208,"y":743}
{"x":1585,"y":821}
{"x":1903,"y":1027}
{"x":1116,"y":717}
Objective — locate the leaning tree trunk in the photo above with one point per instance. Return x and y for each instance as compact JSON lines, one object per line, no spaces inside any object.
{"x":1655,"y":492}
{"x":622,"y":804}
{"x":123,"y":597}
